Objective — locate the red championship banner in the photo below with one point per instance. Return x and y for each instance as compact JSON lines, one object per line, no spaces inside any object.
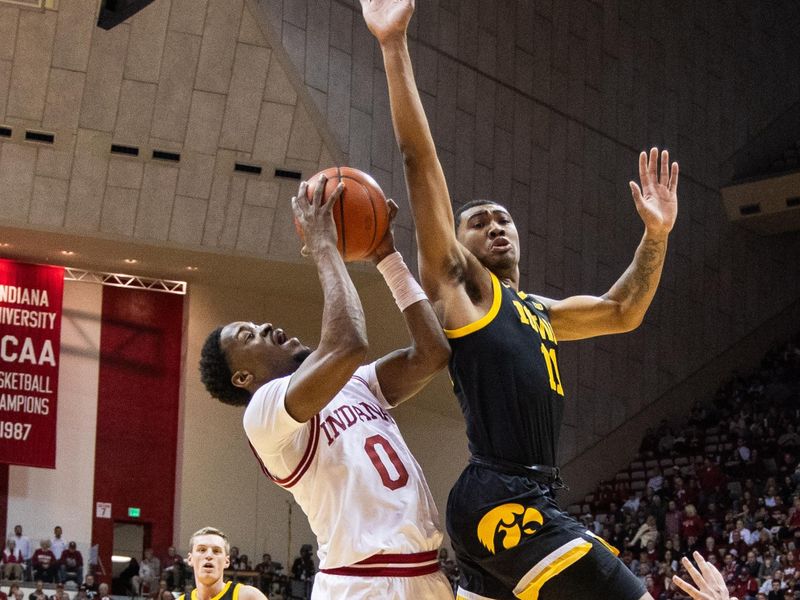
{"x":30,"y":338}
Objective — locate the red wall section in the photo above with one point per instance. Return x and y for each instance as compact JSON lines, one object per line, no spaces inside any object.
{"x":137,"y":413}
{"x":3,"y":501}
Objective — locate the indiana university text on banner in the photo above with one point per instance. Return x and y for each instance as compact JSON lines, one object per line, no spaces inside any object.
{"x":30,"y":339}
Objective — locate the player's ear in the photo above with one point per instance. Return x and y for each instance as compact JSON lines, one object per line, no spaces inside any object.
{"x":242,"y":379}
{"x":227,"y":561}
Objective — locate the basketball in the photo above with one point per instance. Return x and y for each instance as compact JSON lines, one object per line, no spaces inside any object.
{"x":361,"y":213}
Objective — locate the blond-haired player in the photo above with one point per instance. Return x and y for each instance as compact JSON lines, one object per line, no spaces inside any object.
{"x":209,"y":557}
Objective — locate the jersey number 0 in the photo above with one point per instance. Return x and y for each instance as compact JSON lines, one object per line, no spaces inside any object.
{"x":380,"y":452}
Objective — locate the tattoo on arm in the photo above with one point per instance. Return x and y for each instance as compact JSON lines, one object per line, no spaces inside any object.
{"x":638,"y":280}
{"x":650,"y":261}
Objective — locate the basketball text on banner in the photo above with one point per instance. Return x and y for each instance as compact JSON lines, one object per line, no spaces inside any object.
{"x":30,"y":335}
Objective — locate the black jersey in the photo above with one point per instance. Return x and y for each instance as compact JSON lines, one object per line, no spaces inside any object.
{"x":229,"y":592}
{"x":504,"y":369}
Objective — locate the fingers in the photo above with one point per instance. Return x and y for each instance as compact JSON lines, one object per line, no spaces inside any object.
{"x":319,"y":190}
{"x":637,"y":193}
{"x":664,"y":177}
{"x":301,"y":199}
{"x":673,"y":178}
{"x":393,"y":208}
{"x":337,"y":193}
{"x":692,"y":591}
{"x":696,"y":576}
{"x":652,"y":165}
{"x":643,"y":176}
{"x":711,"y":575}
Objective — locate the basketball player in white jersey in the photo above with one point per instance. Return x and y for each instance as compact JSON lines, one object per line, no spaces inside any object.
{"x":209,"y":557}
{"x":319,"y":423}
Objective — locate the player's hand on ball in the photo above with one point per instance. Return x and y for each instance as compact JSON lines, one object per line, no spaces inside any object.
{"x":386,"y":245}
{"x":709,"y":581}
{"x":314,"y":218}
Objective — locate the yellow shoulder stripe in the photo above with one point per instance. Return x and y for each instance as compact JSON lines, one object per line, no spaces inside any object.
{"x":218,"y":596}
{"x":485,"y":319}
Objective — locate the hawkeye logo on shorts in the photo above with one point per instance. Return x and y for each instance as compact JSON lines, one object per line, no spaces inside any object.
{"x":510,"y":523}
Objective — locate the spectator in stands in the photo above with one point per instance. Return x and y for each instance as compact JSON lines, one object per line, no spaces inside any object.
{"x":149,"y":570}
{"x":266,"y":569}
{"x":794,"y":514}
{"x":666,"y":442}
{"x":71,"y":564}
{"x":649,"y":445}
{"x":744,"y":533}
{"x":303,"y":567}
{"x":775,"y":591}
{"x":12,"y":561}
{"x":672,"y":520}
{"x":13,"y":590}
{"x":44,"y":563}
{"x":769,"y":585}
{"x":631,"y":504}
{"x":647,"y":532}
{"x":174,"y":569}
{"x":234,"y":558}
{"x":24,"y":546}
{"x":746,"y":586}
{"x":102,"y":592}
{"x":790,"y":438}
{"x":656,"y":481}
{"x":691,"y":524}
{"x":60,"y":594}
{"x":57,"y":543}
{"x":156,"y":593}
{"x":92,"y":589}
{"x":38,"y":592}
{"x":710,"y":478}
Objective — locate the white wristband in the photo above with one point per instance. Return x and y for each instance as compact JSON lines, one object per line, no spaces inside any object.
{"x":401,"y":282}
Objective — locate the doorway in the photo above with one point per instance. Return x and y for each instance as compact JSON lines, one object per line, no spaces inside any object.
{"x":130,"y":540}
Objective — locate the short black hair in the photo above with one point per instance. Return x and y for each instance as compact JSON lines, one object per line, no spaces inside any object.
{"x":465,"y":207}
{"x":216,"y":374}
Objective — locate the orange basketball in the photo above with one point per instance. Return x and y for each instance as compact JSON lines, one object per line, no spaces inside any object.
{"x":361,"y":213}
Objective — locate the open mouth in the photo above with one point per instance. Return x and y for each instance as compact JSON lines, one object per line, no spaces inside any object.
{"x":501,"y":243}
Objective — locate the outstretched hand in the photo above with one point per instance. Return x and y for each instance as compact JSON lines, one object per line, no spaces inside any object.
{"x":657,"y":199}
{"x":709,"y":581}
{"x":387,"y":19}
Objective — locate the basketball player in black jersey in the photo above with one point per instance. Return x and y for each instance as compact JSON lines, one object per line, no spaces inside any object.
{"x":209,"y":557}
{"x":510,"y":537}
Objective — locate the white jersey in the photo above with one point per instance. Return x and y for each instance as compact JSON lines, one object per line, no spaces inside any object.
{"x":349,"y":469}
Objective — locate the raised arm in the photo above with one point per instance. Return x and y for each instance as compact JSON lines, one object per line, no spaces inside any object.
{"x":623,"y":307}
{"x":406,"y":371}
{"x":442,"y":258}
{"x":343,"y":344}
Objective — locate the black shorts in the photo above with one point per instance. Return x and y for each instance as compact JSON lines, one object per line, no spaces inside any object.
{"x":512,"y":541}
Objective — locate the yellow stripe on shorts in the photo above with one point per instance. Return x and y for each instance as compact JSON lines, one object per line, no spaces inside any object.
{"x":550,"y":566}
